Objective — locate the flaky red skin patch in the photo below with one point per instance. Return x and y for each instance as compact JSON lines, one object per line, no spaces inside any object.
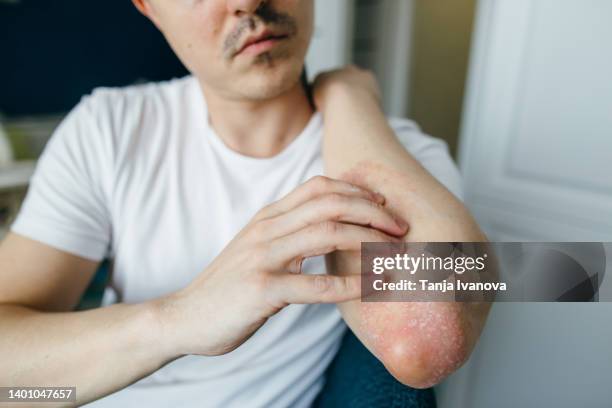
{"x":424,"y":342}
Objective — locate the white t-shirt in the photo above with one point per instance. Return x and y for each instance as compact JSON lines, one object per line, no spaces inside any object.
{"x":137,"y":175}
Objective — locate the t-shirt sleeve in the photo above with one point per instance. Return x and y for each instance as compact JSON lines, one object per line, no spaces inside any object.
{"x":66,"y":206}
{"x":431,"y":152}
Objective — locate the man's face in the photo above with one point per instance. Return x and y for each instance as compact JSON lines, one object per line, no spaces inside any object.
{"x":242,"y":49}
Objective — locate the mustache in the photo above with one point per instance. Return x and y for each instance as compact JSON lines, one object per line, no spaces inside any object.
{"x":264,"y":15}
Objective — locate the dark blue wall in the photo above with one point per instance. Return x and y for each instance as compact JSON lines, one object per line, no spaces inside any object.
{"x":54,"y":51}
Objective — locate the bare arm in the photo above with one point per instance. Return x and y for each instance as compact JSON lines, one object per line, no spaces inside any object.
{"x":419,"y":343}
{"x":44,"y":343}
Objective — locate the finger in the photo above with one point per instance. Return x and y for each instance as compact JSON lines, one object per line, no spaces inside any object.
{"x":315,"y":187}
{"x":338,"y":207}
{"x":322,"y":239}
{"x":309,"y":289}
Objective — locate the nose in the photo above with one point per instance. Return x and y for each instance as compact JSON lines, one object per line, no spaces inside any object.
{"x":238,"y":7}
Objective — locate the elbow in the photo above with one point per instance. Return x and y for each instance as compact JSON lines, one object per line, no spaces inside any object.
{"x":423,"y":361}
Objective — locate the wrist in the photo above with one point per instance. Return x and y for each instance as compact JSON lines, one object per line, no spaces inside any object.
{"x":164,"y":316}
{"x":339,"y":96}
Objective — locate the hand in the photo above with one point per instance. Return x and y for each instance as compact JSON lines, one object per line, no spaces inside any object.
{"x":259,"y":272}
{"x":350,"y":79}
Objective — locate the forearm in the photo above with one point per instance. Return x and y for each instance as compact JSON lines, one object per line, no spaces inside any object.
{"x":420,"y":343}
{"x":98,"y":351}
{"x":360,"y":146}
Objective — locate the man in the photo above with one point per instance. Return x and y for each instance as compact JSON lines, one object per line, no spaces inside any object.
{"x":203,"y":193}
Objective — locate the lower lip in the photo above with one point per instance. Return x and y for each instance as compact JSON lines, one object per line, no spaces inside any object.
{"x":261,"y":46}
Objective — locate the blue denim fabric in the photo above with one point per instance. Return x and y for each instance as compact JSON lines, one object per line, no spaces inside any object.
{"x":357,"y":379}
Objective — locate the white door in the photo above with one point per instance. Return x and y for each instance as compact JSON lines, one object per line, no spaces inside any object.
{"x":537,"y":139}
{"x":536,"y":153}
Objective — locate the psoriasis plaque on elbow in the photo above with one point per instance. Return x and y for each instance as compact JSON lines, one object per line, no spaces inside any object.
{"x":413,"y":334}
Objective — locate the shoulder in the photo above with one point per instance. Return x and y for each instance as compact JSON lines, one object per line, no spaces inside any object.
{"x":105,"y":125}
{"x":431,"y":152}
{"x":124,"y":105}
{"x":121,"y":118}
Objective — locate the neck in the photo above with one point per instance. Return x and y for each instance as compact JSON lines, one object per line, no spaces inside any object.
{"x":259,"y":129}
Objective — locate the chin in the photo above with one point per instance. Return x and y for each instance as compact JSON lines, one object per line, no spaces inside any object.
{"x":269,"y":79}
